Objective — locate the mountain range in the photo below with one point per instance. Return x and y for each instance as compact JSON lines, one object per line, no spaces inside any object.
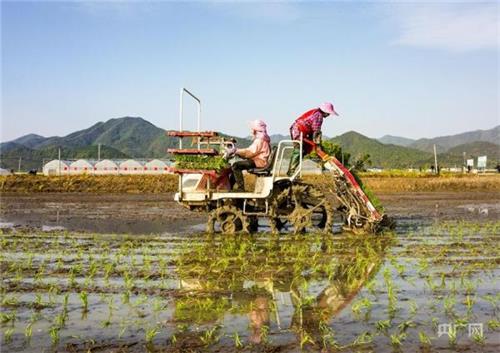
{"x":132,"y":137}
{"x":444,"y":143}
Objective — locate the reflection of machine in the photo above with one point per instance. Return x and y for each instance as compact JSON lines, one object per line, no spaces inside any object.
{"x":290,"y":283}
{"x":281,"y":199}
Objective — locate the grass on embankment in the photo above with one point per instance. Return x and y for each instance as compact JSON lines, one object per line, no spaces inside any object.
{"x":169,"y":183}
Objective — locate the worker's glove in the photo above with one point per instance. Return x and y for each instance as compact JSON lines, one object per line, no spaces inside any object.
{"x":317,"y":138}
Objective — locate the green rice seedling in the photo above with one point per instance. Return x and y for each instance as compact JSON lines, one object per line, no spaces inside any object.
{"x":363,"y":338}
{"x":479,"y":337}
{"x":264,"y":333}
{"x":423,"y":266}
{"x":492,"y":300}
{"x":469,"y":303}
{"x":54,"y":335}
{"x":443,"y":280}
{"x":9,"y":300}
{"x":84,"y":298}
{"x":59,"y":263}
{"x":108,"y":270}
{"x":327,"y":336}
{"x":449,"y":305}
{"x":470,"y":288}
{"x":72,"y":278}
{"x":7,"y":317}
{"x":361,"y":304}
{"x":123,"y":328}
{"x":493,"y":324}
{"x":237,"y":341}
{"x":125,"y":297}
{"x":28,"y":331}
{"x":65,"y":302}
{"x":305,"y":338}
{"x":7,"y":335}
{"x":435,"y":322}
{"x":405,"y":325}
{"x":29,"y":261}
{"x":383,"y":325}
{"x":413,"y":308}
{"x":157,"y":305}
{"x":150,"y":334}
{"x":424,"y":339}
{"x":60,"y":319}
{"x":452,"y":336}
{"x":210,"y":336}
{"x":430,"y":283}
{"x":397,"y":339}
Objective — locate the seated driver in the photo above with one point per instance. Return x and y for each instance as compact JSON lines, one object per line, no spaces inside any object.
{"x":255,"y":156}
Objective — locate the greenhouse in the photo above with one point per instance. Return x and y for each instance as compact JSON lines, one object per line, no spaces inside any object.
{"x":131,"y":166}
{"x":106,"y":166}
{"x":56,"y":167}
{"x":156,"y":166}
{"x":81,"y":166}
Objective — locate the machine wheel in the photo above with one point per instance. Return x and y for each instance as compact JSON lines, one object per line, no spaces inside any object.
{"x":227,"y":220}
{"x":301,"y":206}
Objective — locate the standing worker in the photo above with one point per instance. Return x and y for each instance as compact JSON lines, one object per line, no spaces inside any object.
{"x":309,"y":125}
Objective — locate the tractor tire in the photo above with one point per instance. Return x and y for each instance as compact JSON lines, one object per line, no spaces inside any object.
{"x":227,"y":220}
{"x":302,"y":206}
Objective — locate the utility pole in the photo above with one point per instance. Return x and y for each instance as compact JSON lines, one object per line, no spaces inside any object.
{"x":19,"y":165}
{"x":98,"y":151}
{"x":59,"y":157}
{"x":464,"y":166}
{"x":435,"y":161}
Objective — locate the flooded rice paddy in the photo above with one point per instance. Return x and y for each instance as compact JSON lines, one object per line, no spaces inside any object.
{"x":431,"y":285}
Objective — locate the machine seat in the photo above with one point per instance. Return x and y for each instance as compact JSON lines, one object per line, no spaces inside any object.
{"x":265,"y":171}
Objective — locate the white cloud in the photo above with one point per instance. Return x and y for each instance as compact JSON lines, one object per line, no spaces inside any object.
{"x":452,"y":26}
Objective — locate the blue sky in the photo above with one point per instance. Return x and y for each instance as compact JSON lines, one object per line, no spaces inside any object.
{"x":414,"y":69}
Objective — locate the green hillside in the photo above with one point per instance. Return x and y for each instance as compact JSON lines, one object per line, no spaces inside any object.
{"x":130,"y":137}
{"x":444,"y":143}
{"x":34,"y":159}
{"x":455,"y":156}
{"x":381,"y":155}
{"x":396,"y":140}
{"x":135,"y":137}
{"x":119,"y":138}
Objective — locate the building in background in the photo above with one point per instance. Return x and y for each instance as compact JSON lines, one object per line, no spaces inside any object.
{"x":156,"y":166}
{"x":131,"y":166}
{"x":106,"y":166}
{"x":56,"y":167}
{"x":81,"y":166}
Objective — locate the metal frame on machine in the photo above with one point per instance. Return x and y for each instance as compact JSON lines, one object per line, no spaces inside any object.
{"x":276,"y":168}
{"x":181,"y":113}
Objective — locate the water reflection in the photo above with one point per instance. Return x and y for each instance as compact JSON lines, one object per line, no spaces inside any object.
{"x":293,"y":284}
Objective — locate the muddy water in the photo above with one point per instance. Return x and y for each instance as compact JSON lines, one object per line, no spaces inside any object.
{"x":149,"y":213}
{"x":74,"y":291}
{"x":109,"y":213}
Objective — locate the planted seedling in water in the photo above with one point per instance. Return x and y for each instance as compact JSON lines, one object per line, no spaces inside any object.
{"x":84,"y":298}
{"x":424,"y":339}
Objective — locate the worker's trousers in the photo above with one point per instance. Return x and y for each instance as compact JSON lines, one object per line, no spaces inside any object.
{"x":238,"y":168}
{"x":294,"y":160}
